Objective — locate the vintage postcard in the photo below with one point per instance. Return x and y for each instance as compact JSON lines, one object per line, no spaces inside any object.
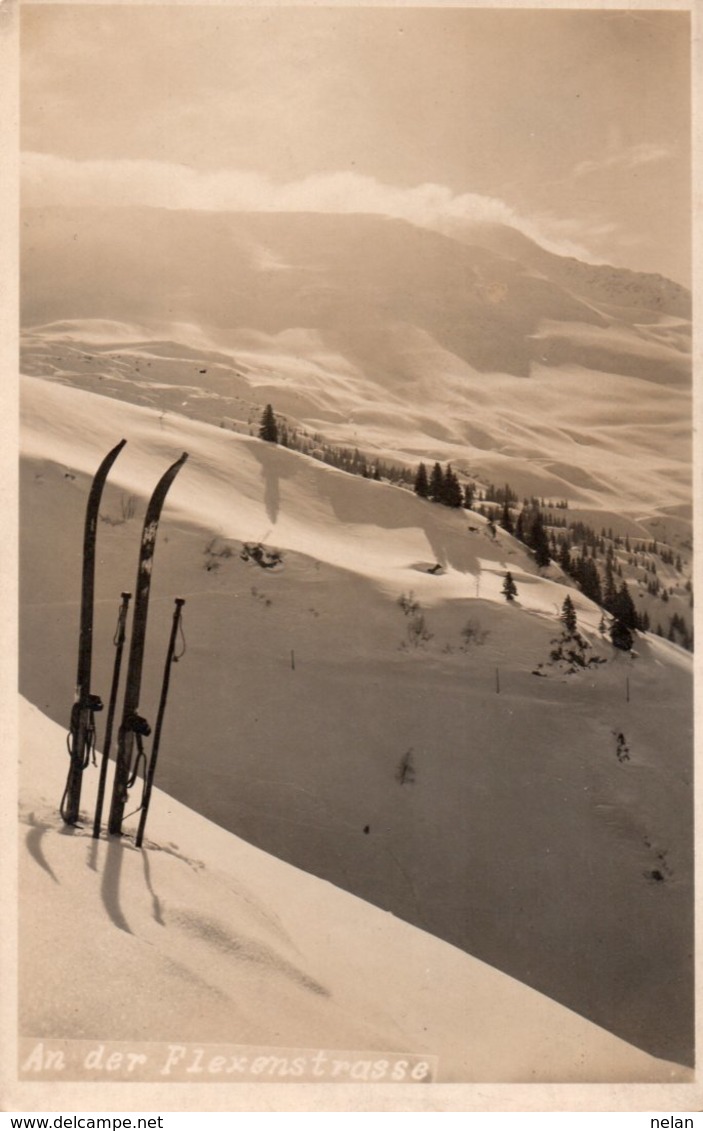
{"x":356,"y":558}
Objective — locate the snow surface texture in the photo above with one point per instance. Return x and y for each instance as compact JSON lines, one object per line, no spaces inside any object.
{"x":516,"y":831}
{"x":199,"y":937}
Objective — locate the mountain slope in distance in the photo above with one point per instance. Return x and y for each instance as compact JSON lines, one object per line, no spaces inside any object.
{"x":351,"y":277}
{"x":401,"y":341}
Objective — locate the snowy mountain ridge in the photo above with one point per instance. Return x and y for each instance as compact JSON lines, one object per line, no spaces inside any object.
{"x":564,"y":379}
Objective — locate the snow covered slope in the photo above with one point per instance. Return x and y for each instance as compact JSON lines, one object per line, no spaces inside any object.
{"x":378,"y":725}
{"x":201,"y":938}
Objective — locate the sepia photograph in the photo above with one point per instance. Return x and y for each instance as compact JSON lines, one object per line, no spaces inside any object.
{"x":356,"y":578}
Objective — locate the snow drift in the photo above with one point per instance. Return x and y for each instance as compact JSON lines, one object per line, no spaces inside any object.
{"x":200,"y":938}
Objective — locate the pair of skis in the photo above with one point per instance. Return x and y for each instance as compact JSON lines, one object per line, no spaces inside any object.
{"x":81,"y":739}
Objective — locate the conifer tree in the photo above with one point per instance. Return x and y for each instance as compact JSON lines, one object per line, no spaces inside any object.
{"x":469,"y":496}
{"x":609,"y":596}
{"x":565,"y":557}
{"x":422,"y":486}
{"x":621,"y":636}
{"x":589,"y":580}
{"x":509,"y":587}
{"x":568,"y":616}
{"x":268,"y":429}
{"x":624,"y":609}
{"x":538,"y":540}
{"x":436,"y":490}
{"x":506,"y":520}
{"x":452,"y":494}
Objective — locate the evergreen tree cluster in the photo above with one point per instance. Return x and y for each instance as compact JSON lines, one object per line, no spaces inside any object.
{"x":493,"y":494}
{"x":667,"y":556}
{"x":571,"y":647}
{"x":530,"y":529}
{"x":679,"y":633}
{"x":582,"y":533}
{"x":441,"y":486}
{"x":558,"y":521}
{"x":585,"y":572}
{"x":352,"y":461}
{"x":546,"y":504}
{"x":275,"y":430}
{"x":531,"y":525}
{"x":621,"y":636}
{"x":613,"y":596}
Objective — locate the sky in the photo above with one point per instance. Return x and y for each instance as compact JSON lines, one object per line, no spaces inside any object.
{"x":574,"y":126}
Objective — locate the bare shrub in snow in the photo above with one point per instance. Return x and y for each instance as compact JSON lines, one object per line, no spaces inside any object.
{"x":405,"y":774}
{"x":408,"y":603}
{"x":622,"y":750}
{"x":474,"y":633}
{"x":215,"y":553}
{"x":261,"y":555}
{"x":418,"y":632}
{"x":128,"y":509}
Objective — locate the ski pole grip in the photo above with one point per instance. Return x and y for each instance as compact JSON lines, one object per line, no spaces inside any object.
{"x":138,"y":725}
{"x":180,"y":601}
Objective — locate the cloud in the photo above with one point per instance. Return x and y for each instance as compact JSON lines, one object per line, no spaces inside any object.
{"x":646,"y":153}
{"x":50,"y":180}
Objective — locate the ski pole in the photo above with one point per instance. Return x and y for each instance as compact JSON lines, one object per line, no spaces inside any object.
{"x":82,"y":728}
{"x":132,"y":722}
{"x":120,"y":635}
{"x":151,"y":770}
